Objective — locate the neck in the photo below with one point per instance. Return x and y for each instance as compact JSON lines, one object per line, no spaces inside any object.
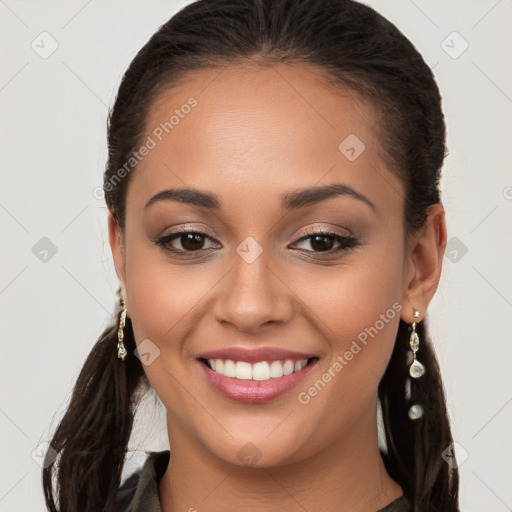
{"x":348,"y":475}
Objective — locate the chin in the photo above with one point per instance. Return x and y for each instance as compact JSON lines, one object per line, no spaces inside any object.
{"x":256,"y":451}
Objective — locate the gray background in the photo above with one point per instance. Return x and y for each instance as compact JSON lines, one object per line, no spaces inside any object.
{"x":53,"y":306}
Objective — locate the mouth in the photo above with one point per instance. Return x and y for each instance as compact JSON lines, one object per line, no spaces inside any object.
{"x":256,"y":382}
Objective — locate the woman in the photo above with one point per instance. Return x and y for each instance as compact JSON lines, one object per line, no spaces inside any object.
{"x":277,"y":230}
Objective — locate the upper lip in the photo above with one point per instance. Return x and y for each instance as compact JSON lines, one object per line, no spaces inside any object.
{"x":254,"y":355}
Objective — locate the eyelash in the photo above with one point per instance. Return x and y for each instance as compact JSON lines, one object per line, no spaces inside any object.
{"x":346,"y":242}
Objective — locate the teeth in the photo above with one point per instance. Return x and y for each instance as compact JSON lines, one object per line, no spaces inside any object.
{"x":243,"y":371}
{"x":263,"y":370}
{"x":229,"y":369}
{"x":276,"y":369}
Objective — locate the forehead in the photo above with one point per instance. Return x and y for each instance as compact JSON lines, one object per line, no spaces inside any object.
{"x":259,"y":128}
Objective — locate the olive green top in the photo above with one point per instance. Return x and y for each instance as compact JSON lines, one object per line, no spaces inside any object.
{"x":139,"y":492}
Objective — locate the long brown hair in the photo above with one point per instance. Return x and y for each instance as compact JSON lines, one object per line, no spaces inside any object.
{"x":358,"y":49}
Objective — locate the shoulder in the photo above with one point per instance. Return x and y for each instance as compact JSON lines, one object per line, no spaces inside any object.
{"x":139,"y":492}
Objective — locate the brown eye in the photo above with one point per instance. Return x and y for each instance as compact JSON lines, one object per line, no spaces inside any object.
{"x":190,"y":241}
{"x":323,"y":241}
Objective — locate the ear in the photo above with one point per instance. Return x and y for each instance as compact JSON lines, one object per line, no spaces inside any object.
{"x":117,"y":247}
{"x":423,"y":263}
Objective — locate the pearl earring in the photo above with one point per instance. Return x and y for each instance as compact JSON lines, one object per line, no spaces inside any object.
{"x":416,"y":370}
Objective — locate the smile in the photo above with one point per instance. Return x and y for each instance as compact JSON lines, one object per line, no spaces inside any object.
{"x":256,"y":382}
{"x":260,"y":371}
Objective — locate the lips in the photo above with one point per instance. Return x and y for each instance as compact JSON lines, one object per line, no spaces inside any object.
{"x":232,"y":372}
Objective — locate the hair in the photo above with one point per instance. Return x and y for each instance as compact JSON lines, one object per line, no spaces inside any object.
{"x":358,"y":50}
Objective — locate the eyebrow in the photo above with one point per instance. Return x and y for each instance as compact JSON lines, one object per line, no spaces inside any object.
{"x":289,"y":201}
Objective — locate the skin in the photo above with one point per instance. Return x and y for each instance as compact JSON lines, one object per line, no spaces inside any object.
{"x":257,"y":133}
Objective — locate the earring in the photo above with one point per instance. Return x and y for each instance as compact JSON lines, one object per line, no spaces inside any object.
{"x":416,"y":370}
{"x":121,"y":350}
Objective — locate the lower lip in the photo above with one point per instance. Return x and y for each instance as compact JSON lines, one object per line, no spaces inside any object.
{"x":254,"y":391}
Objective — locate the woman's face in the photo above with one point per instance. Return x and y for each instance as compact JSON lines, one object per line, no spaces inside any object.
{"x":255,"y":275}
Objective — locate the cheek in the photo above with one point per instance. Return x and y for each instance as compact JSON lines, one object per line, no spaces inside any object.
{"x":162,"y":296}
{"x":352,"y":296}
{"x":163,"y":304}
{"x":164,"y":300}
{"x":356,"y":307}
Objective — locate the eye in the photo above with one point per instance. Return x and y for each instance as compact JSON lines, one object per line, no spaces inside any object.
{"x":322,"y":241}
{"x":190,"y":241}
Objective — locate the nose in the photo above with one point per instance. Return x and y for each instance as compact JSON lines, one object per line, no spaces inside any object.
{"x":252,"y":295}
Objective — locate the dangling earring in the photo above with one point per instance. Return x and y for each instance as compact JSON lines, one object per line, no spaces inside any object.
{"x":416,"y":370}
{"x":121,"y":350}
